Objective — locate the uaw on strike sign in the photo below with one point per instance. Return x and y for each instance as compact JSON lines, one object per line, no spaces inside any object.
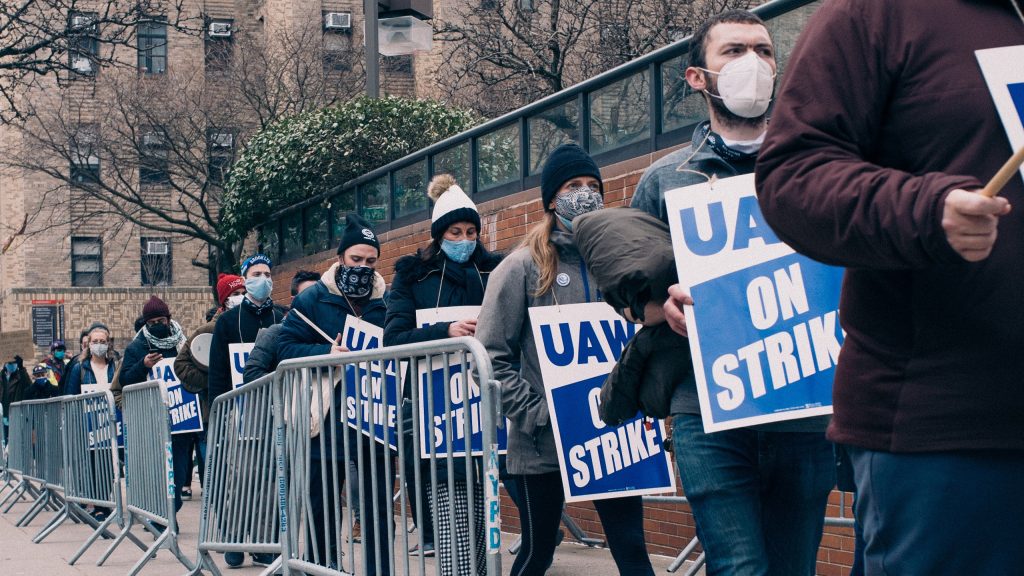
{"x":764,"y":328}
{"x":372,"y":390}
{"x":434,"y":418}
{"x":578,"y":345}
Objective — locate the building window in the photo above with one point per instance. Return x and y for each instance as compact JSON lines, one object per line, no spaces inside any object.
{"x":220,"y":150}
{"x":397,"y":65}
{"x":84,"y":47}
{"x":488,"y":4}
{"x":155,"y":261}
{"x":152,"y":45}
{"x":153,"y":159}
{"x":527,"y":5}
{"x":86,"y":261}
{"x":218,"y":45}
{"x":85,"y":163}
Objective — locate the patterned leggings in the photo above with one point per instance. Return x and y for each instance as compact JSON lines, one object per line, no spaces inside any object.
{"x":445,"y":533}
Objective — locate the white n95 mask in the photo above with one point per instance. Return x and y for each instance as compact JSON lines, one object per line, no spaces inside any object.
{"x":745,"y":85}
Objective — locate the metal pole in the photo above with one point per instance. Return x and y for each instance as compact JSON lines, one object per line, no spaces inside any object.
{"x":372,"y":49}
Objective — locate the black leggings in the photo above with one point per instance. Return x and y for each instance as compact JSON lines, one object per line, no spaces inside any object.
{"x":540,"y":512}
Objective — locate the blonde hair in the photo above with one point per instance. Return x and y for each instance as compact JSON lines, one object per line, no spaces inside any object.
{"x":543,"y":252}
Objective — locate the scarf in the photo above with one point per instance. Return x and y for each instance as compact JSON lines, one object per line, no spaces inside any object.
{"x":718,"y":145}
{"x":170,"y":342}
{"x":258,"y":309}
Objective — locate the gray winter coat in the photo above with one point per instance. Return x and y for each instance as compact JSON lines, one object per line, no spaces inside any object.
{"x":506,"y":332}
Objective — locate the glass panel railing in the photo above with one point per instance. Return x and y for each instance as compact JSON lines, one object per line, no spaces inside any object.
{"x":373,"y":200}
{"x":498,"y":157}
{"x":291,"y":229}
{"x":269,"y":241}
{"x":410,"y":194}
{"x":620,"y":113}
{"x":340,"y":205}
{"x":316,"y":230}
{"x":680,"y":106}
{"x":454,"y":161}
{"x":554,"y":126}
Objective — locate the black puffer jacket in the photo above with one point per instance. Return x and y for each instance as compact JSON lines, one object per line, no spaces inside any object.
{"x":418,"y":284}
{"x":436,"y":282}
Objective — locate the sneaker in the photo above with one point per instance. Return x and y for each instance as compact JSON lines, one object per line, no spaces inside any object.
{"x":428,"y":549}
{"x":234,"y":559}
{"x":264,"y":559}
{"x":186,"y":493}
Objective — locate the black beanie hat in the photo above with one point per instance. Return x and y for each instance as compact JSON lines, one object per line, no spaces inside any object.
{"x":565,"y":163}
{"x":357,"y":231}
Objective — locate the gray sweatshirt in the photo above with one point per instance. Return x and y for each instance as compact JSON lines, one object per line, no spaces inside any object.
{"x":506,"y":332}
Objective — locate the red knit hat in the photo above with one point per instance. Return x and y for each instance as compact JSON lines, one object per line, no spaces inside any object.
{"x":155,"y":308}
{"x":226,"y":284}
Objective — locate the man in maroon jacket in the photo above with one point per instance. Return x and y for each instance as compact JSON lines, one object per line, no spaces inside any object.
{"x":883,"y":132}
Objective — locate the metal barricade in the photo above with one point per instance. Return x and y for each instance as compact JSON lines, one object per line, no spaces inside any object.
{"x":41,"y":444}
{"x":50,"y":456}
{"x":20,"y":455}
{"x":239,"y":507}
{"x":92,"y":471}
{"x":149,"y":471}
{"x":316,"y":442}
{"x":5,"y":473}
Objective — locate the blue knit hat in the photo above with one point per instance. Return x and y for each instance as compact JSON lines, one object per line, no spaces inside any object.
{"x":256,"y":259}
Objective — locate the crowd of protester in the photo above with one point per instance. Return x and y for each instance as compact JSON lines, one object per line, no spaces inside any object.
{"x":924,"y":393}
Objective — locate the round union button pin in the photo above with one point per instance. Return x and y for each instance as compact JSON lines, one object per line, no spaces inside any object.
{"x":562,"y":279}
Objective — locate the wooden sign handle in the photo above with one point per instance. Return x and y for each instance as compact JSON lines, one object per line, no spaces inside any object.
{"x":997,"y":182}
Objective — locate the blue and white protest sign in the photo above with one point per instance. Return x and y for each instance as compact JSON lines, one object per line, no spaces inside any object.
{"x":184,"y":408}
{"x":90,"y":417}
{"x":434,"y":421}
{"x":366,"y":388}
{"x":238,"y":355}
{"x":1005,"y":78}
{"x":577,"y":346}
{"x":764,"y":328}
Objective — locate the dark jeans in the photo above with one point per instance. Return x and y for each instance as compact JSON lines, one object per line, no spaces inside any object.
{"x":540,"y":513}
{"x":412,"y":460}
{"x":326,"y":525}
{"x":758,"y":497}
{"x":940,"y":513}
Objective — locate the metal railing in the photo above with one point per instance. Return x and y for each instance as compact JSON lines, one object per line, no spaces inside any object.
{"x":637,"y":108}
{"x":20,"y":456}
{"x":40,"y":444}
{"x":239,"y":506}
{"x":325,"y":409}
{"x":149,"y":471}
{"x":92,"y":469}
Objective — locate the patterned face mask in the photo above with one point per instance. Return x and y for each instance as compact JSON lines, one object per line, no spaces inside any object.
{"x":577,"y":201}
{"x":355,"y":281}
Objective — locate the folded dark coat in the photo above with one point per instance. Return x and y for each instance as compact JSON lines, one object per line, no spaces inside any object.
{"x":629,"y":253}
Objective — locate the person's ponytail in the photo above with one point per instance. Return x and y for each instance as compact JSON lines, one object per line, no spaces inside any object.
{"x":543,"y":252}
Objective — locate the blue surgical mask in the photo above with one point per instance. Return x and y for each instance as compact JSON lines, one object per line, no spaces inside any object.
{"x":11,"y":367}
{"x":58,"y":354}
{"x":459,"y":250}
{"x":259,"y":287}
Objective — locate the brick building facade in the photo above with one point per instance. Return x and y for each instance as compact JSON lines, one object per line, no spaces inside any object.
{"x":66,"y":246}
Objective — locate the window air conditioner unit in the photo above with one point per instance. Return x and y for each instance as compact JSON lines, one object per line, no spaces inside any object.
{"x":222,"y":140}
{"x":156,"y":247}
{"x":338,"y":20}
{"x":81,"y":64}
{"x":79,"y":21}
{"x":219,"y":30}
{"x":152,"y":139}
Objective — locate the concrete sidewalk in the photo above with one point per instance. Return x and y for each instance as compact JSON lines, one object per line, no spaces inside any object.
{"x":20,"y":557}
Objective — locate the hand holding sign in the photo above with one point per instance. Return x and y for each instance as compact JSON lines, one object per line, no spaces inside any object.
{"x":462,"y":328}
{"x":970,"y":221}
{"x":674,"y":314}
{"x":336,"y":347}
